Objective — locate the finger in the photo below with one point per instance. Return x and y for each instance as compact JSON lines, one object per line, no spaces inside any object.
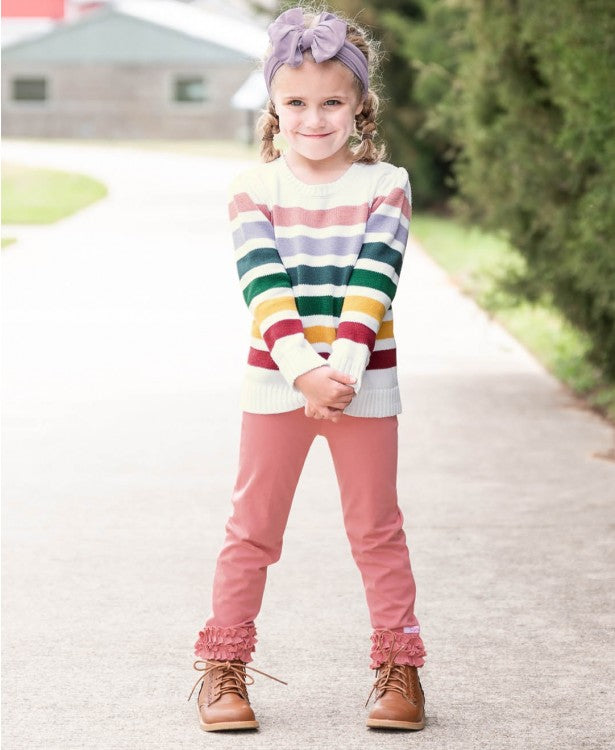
{"x":345,"y":399}
{"x":331,"y":412}
{"x":340,"y":402}
{"x":342,"y":377}
{"x":344,"y":390}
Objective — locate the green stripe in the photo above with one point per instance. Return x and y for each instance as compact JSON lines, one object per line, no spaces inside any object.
{"x":262,"y":284}
{"x":373,"y":280}
{"x":324,"y":305}
{"x":257,"y":257}
{"x":338,"y":276}
{"x":382,"y":252}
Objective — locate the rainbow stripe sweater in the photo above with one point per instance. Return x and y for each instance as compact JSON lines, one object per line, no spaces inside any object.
{"x":318,"y":267}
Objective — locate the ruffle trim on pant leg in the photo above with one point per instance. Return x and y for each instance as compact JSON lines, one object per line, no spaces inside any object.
{"x":403,"y":648}
{"x":220,"y":643}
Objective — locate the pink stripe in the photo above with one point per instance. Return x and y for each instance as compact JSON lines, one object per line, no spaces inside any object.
{"x":243,"y":202}
{"x":317,"y":218}
{"x":396,"y":198}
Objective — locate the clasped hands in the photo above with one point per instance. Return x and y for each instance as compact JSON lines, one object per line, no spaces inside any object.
{"x":327,"y":391}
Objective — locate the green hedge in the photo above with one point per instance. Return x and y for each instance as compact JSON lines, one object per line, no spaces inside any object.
{"x":536,"y":129}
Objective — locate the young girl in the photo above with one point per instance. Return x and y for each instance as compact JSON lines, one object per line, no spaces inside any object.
{"x":319,"y":235}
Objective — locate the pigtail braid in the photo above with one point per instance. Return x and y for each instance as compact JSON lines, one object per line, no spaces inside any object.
{"x":367,"y":151}
{"x":267,"y":127}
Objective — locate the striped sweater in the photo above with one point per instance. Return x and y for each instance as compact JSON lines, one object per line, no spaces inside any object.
{"x":318,"y":267}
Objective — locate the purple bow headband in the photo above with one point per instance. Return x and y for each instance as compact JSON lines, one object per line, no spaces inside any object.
{"x":290,"y":39}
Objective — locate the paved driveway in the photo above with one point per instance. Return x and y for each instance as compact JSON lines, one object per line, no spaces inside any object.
{"x":120,"y":435}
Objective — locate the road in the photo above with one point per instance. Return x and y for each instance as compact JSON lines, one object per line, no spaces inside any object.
{"x":120,"y":436}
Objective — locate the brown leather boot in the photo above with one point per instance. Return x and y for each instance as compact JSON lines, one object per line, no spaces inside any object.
{"x":222,"y":701}
{"x":400,"y":701}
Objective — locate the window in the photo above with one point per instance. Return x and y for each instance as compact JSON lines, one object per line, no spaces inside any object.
{"x":190,"y":89}
{"x":30,"y":89}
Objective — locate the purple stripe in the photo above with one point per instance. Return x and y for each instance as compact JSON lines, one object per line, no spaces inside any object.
{"x":347,"y":246}
{"x":252,"y":230}
{"x":402,"y":235}
{"x":381,"y":223}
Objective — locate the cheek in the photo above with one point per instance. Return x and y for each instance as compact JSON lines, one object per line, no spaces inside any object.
{"x":288,"y":120}
{"x":345,"y":119}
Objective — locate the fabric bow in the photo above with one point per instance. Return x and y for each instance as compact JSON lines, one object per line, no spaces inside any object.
{"x":290,"y":39}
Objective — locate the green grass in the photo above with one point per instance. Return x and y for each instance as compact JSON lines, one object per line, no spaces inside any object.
{"x":42,"y":196}
{"x":476,"y":262}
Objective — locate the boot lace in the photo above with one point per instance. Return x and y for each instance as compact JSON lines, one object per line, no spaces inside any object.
{"x":229,"y":677}
{"x":392,"y":676}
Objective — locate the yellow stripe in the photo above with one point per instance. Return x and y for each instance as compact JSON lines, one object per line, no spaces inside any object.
{"x":314,"y":334}
{"x":386,"y":330}
{"x":364,"y":305}
{"x":320,"y":334}
{"x":271,"y":306}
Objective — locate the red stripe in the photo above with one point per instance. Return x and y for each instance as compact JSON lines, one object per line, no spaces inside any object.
{"x":380,"y":360}
{"x":322,"y":217}
{"x":357,"y":332}
{"x":280,"y":329}
{"x":259,"y":358}
{"x":383,"y":359}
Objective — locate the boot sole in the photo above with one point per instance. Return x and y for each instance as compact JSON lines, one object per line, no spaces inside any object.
{"x":224,"y":725}
{"x":393,"y":724}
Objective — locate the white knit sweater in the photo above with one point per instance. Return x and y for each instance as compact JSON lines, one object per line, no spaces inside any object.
{"x":319,"y":266}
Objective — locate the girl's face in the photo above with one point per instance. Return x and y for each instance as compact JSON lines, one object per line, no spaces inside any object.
{"x":316,"y":104}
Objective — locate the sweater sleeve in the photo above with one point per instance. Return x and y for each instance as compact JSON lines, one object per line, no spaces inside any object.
{"x":265,"y":283}
{"x":374,"y":278}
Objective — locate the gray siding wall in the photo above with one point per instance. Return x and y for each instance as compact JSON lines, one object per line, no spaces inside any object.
{"x":123,"y":100}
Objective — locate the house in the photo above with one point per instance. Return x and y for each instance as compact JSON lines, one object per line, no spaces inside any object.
{"x":133,"y":69}
{"x":27,"y":18}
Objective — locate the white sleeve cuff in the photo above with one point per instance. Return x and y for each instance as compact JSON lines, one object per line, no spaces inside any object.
{"x":350,"y":358}
{"x":294,"y":355}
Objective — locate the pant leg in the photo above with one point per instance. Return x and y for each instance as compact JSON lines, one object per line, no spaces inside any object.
{"x":273,"y":449}
{"x":365,"y":452}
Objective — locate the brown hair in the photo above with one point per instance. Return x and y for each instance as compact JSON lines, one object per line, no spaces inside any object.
{"x":365,"y":150}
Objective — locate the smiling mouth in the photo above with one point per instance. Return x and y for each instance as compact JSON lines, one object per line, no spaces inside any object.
{"x":315,"y":135}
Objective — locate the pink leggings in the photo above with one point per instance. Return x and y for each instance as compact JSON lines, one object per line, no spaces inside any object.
{"x":273,"y":450}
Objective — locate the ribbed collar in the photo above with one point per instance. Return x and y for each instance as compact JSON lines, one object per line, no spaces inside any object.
{"x":318,"y":188}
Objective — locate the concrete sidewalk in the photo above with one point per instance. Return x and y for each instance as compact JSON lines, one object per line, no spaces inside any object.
{"x":120,"y":442}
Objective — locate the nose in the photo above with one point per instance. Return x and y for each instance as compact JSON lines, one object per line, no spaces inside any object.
{"x":314,"y":118}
